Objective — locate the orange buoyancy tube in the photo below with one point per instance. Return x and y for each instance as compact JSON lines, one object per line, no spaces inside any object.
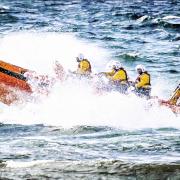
{"x":11,"y":75}
{"x":12,"y":67}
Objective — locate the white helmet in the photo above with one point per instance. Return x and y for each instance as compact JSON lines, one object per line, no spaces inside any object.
{"x":80,"y":57}
{"x":113,"y":64}
{"x":118,"y":65}
{"x":140,"y":66}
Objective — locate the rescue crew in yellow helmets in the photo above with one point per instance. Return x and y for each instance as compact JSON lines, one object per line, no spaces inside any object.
{"x":143,"y":82}
{"x":84,"y":66}
{"x":118,"y":77}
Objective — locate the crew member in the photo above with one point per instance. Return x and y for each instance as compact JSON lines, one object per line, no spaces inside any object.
{"x":143,"y":82}
{"x":117,"y":76}
{"x":84,"y":66}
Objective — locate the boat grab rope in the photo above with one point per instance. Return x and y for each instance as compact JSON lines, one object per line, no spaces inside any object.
{"x":13,"y":74}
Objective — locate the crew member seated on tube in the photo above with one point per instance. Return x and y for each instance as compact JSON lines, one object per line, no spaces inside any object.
{"x":143,"y":82}
{"x":118,"y":77}
{"x":84,"y":66}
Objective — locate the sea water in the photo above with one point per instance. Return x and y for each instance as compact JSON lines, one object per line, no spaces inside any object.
{"x":74,"y":132}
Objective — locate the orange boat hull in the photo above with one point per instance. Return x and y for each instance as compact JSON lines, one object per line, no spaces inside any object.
{"x":12,"y":81}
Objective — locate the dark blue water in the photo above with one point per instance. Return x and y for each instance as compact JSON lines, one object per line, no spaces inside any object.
{"x":133,"y":32}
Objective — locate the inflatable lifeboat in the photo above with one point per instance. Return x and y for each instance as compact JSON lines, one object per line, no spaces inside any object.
{"x":12,"y":81}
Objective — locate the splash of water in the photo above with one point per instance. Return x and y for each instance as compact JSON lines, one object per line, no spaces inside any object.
{"x":74,"y":102}
{"x":38,"y":51}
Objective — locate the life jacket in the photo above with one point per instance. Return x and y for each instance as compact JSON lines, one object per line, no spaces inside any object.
{"x":120,"y":76}
{"x":143,"y":80}
{"x":84,"y":67}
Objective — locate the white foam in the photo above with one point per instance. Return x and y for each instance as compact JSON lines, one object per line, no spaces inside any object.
{"x":15,"y":164}
{"x":38,"y":51}
{"x":2,"y":7}
{"x":170,"y":17}
{"x":143,"y":18}
{"x":75,"y":104}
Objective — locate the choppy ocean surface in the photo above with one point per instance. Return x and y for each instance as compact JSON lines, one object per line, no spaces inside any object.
{"x":74,"y":133}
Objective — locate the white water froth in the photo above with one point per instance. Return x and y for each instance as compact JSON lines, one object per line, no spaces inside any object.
{"x":75,"y":103}
{"x":38,"y":51}
{"x":15,"y":164}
